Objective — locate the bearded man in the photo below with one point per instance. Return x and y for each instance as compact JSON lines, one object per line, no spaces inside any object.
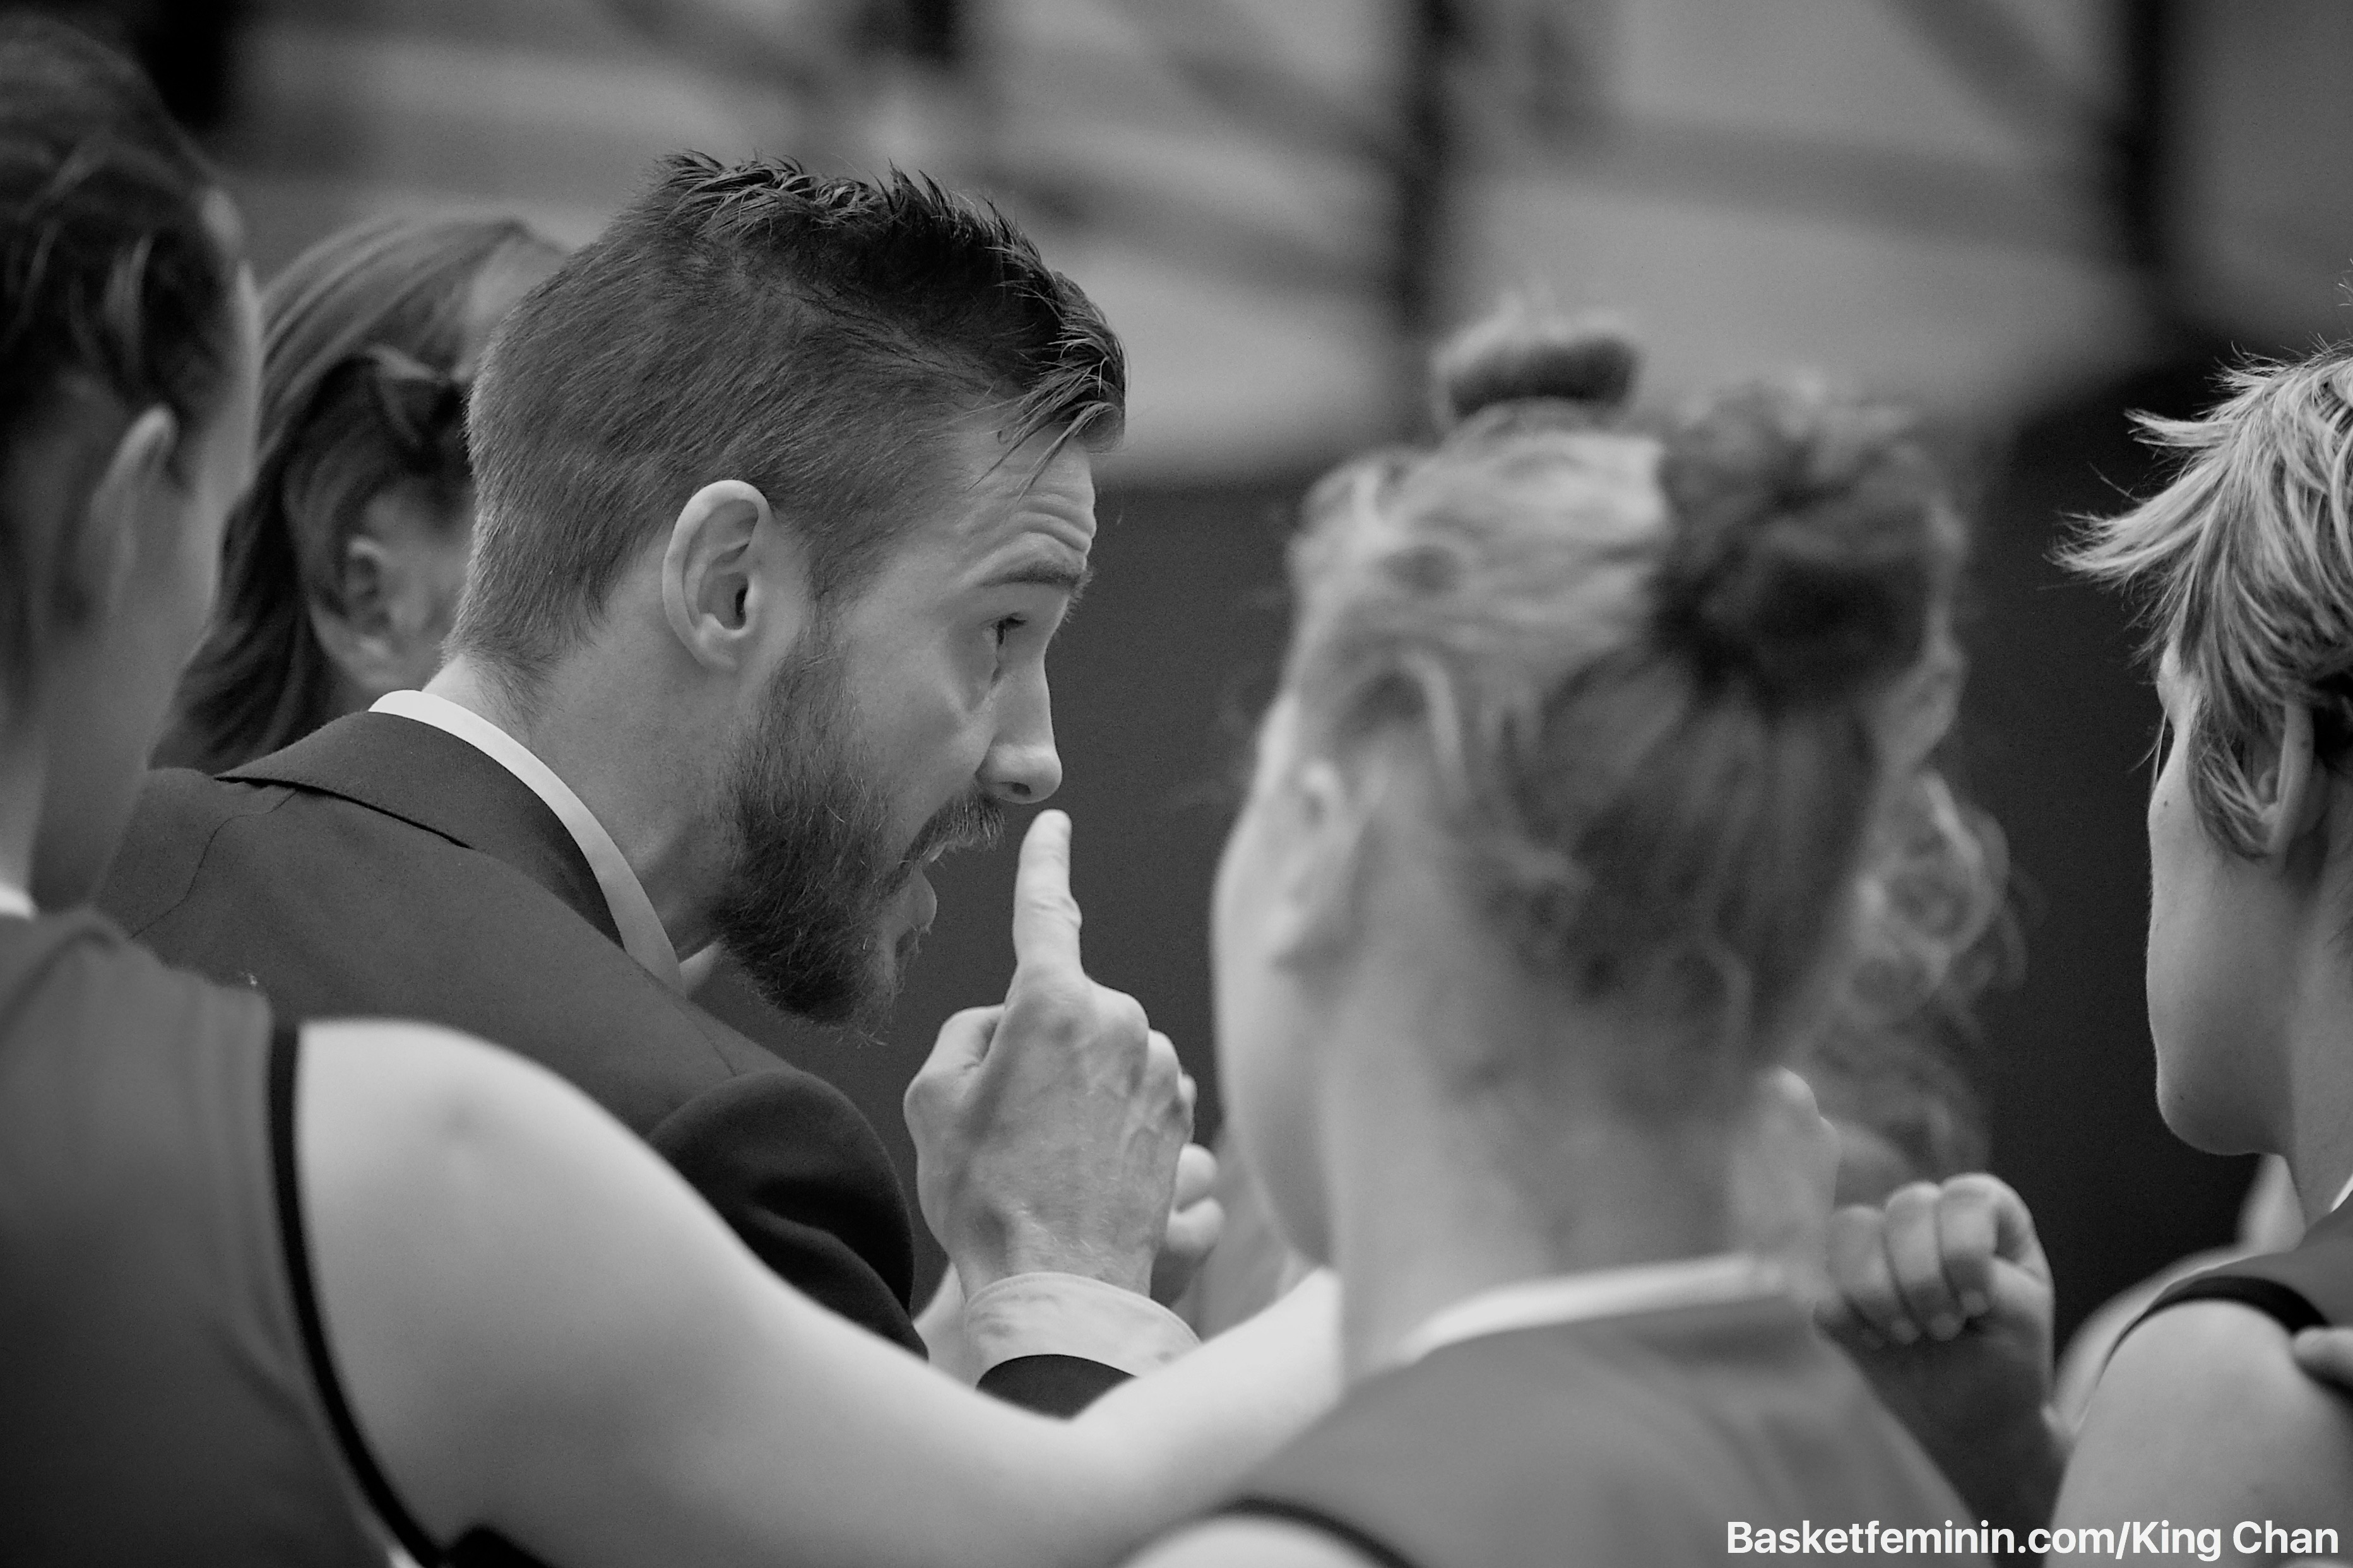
{"x":783,"y":490}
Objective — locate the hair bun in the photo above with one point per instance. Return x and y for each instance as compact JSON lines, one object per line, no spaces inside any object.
{"x":1812,"y":541}
{"x":1514,"y":357}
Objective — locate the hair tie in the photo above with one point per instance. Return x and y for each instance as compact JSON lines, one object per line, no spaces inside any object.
{"x":421,"y":405}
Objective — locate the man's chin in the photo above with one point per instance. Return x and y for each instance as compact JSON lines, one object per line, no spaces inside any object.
{"x":870,"y":1010}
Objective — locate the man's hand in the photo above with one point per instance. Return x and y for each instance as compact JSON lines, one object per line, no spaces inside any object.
{"x":1195,"y":1223}
{"x":1048,"y":1130}
{"x":1943,"y":1300}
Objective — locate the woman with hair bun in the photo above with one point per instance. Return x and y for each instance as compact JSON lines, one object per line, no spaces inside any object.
{"x":1555,"y":848}
{"x":343,"y":565}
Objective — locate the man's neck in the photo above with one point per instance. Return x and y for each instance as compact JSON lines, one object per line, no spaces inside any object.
{"x":645,"y":789}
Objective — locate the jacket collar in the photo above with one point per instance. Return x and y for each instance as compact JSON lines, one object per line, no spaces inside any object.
{"x":435,"y":781}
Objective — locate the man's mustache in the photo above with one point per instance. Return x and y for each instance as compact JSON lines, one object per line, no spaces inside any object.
{"x":971,"y":821}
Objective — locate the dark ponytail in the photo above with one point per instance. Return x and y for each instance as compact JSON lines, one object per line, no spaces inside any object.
{"x":362,"y":389}
{"x":117,"y":257}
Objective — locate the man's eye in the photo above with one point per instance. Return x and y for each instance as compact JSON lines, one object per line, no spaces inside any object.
{"x":1004,"y":628}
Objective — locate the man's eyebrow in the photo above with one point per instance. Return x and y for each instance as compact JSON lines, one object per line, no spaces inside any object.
{"x":1039,"y":572}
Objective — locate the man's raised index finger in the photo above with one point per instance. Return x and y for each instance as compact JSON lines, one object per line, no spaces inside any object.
{"x":1045,"y":915}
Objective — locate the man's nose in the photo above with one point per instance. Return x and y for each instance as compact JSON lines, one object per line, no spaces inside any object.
{"x":1022,"y":767}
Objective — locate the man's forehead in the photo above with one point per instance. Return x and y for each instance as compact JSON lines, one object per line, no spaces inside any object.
{"x":1027,"y":515}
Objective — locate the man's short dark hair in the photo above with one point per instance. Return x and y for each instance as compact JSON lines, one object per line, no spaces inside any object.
{"x":114,"y":276}
{"x":814,"y":337}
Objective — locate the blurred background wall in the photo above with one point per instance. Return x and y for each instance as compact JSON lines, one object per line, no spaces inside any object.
{"x":2026,"y":216}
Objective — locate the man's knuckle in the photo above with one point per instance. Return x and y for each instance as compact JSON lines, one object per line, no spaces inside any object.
{"x":1051,"y":1005}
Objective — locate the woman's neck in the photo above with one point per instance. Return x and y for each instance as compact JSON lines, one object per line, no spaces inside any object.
{"x":2311,"y":1090}
{"x":1430,"y":1203}
{"x":2320,"y":1141}
{"x":23,"y":781}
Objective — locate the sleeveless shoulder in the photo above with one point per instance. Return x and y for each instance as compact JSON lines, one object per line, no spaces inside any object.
{"x":2309,"y":1286}
{"x":143,"y":1276}
{"x":1636,"y":1439}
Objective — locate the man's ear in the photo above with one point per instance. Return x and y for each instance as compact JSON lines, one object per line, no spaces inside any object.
{"x":2289,"y":791}
{"x":1319,"y":871}
{"x":122,"y":505}
{"x":732,"y":581}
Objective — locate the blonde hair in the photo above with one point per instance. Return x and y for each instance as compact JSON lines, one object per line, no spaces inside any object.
{"x":1934,"y":929}
{"x":1648,"y":666}
{"x":2244,"y":566}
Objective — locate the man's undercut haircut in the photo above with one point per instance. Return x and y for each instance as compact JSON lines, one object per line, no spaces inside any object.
{"x":814,"y":337}
{"x":115,"y":278}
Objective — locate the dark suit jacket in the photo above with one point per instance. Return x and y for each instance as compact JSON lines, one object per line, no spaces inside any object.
{"x":383,"y":867}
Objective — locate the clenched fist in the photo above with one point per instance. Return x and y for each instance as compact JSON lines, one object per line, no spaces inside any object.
{"x":1048,"y":1130}
{"x":1943,"y":1300}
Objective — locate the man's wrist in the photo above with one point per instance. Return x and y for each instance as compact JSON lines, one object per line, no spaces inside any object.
{"x":940,"y":1325}
{"x":1017,"y":1248}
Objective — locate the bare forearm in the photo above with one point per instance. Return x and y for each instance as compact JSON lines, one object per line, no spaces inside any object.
{"x":1198,"y":1427}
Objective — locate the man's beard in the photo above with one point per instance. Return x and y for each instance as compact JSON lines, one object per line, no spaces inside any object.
{"x":813,"y":872}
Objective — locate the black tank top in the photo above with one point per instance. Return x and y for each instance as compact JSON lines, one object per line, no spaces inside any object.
{"x":1667,"y":1436}
{"x":2309,"y":1286}
{"x":159,"y":1403}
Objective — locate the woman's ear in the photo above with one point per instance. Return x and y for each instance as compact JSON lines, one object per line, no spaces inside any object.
{"x":731,"y":581}
{"x":1320,"y":868}
{"x":128,"y":499}
{"x":2290,"y":793}
{"x":358,"y":634}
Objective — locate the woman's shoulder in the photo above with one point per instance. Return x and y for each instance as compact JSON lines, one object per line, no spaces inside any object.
{"x":75,"y":978}
{"x":1494,"y":1449}
{"x":1245,"y":1541}
{"x":2202,"y":1412}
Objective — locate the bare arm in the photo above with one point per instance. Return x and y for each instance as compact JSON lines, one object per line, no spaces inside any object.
{"x":1250,"y":1543}
{"x":2202,"y":1415}
{"x":542,"y":1331}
